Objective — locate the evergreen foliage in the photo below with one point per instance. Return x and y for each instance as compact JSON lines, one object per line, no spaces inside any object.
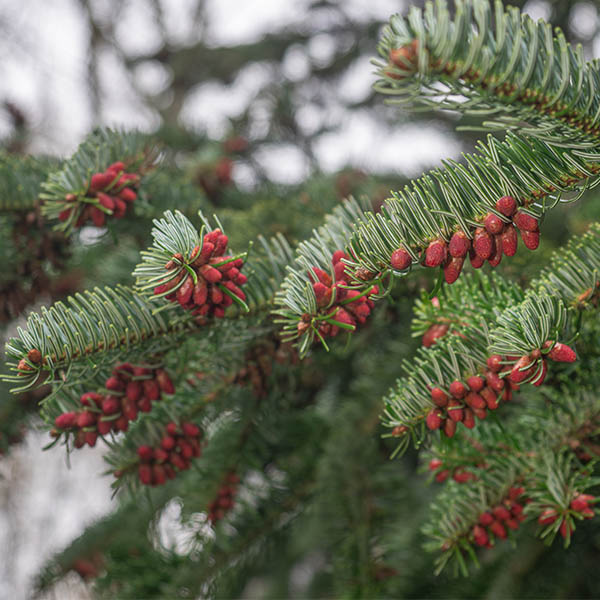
{"x":291,"y":429}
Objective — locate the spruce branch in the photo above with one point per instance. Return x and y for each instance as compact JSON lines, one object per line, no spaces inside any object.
{"x":495,"y":62}
{"x":460,"y":199}
{"x":76,"y":336}
{"x":538,"y":466}
{"x":512,"y":341}
{"x":69,"y":194}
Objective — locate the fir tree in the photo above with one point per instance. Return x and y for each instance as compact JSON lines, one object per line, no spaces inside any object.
{"x":240,"y":379}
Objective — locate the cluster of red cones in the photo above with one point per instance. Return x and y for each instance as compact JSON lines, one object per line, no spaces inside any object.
{"x":494,"y":524}
{"x":496,"y":236}
{"x":216,"y":280}
{"x":344,"y":308}
{"x":108,"y":195}
{"x":177,"y":448}
{"x":130,"y":389}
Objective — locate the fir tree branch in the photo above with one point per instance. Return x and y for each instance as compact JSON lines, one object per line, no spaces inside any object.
{"x":88,"y":329}
{"x":296,"y":298}
{"x":538,"y":460}
{"x":21,"y":179}
{"x":68,"y":190}
{"x":498,"y":329}
{"x":459,"y":198}
{"x":492,"y":61}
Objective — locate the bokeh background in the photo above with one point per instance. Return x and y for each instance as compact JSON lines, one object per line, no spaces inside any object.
{"x":292,"y":77}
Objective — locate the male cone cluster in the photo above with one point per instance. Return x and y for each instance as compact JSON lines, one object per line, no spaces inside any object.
{"x":108,"y":195}
{"x":534,"y":366}
{"x":130,"y":389}
{"x":177,"y":448}
{"x":218,"y":278}
{"x":466,"y":400}
{"x":459,"y":474}
{"x":463,"y":401}
{"x":344,"y":306}
{"x":224,"y":500}
{"x":495,"y":523}
{"x":404,"y":60}
{"x":496,"y":236}
{"x":579,"y":507}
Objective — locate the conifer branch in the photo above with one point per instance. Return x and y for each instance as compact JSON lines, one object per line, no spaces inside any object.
{"x":86,"y":330}
{"x":535,"y":464}
{"x":69,"y":194}
{"x":21,"y":178}
{"x":492,"y":61}
{"x":463,"y":201}
{"x":460,"y":197}
{"x":299,"y":310}
{"x":481,"y":333}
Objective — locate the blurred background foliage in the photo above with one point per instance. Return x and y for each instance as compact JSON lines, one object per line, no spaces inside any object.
{"x":269,"y":130}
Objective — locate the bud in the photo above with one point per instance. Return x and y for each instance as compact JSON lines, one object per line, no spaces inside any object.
{"x":525,"y":222}
{"x":493,"y":223}
{"x":455,"y":410}
{"x":475,"y":383}
{"x":438,"y":397}
{"x":190,"y":430}
{"x":436,"y":253}
{"x":560,"y":352}
{"x":168,"y":443}
{"x":494,"y":363}
{"x":483,"y":244}
{"x":434,"y":419}
{"x":459,"y":244}
{"x":501,"y":513}
{"x":468,"y":418}
{"x":145,"y":453}
{"x":452,"y":269}
{"x":494,"y":382}
{"x":66,"y":420}
{"x":531,"y":239}
{"x":35,"y":356}
{"x":457,"y":389}
{"x":498,"y":530}
{"x":506,"y":205}
{"x":475,"y":401}
{"x":110,"y":405}
{"x":509,"y":241}
{"x":520,"y":372}
{"x":449,"y":427}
